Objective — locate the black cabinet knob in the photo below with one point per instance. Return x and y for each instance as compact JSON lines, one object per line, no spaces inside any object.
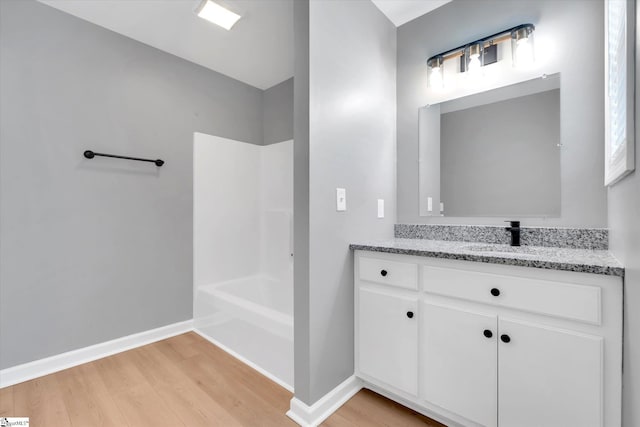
{"x":505,"y":338}
{"x":383,"y":273}
{"x":495,"y":292}
{"x":488,"y":333}
{"x":410,"y":314}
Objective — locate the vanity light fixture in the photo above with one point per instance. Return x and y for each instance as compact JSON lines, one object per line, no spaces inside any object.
{"x":475,"y":55}
{"x":436,"y":72}
{"x":219,"y":15}
{"x":522,"y":46}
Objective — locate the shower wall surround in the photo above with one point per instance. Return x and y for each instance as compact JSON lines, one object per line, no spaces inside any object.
{"x":243,"y":265}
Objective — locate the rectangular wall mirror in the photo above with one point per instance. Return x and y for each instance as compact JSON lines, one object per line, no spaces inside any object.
{"x":495,"y":153}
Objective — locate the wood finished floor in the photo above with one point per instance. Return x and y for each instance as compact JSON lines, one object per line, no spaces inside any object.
{"x":180,"y":381}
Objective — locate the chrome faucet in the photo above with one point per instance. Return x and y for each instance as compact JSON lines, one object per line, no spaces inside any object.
{"x":515,"y":232}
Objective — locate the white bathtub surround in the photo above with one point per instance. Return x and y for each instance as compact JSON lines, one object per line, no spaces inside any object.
{"x":243,"y":265}
{"x":311,"y":416}
{"x":59,"y":362}
{"x":251,"y":318}
{"x":259,"y":300}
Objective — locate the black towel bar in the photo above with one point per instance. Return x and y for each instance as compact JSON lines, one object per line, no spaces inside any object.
{"x":90,"y":155}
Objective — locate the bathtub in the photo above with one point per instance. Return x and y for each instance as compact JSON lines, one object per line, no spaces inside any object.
{"x":252,"y":318}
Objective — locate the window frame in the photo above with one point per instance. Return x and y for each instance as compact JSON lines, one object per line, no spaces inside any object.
{"x":620,"y":163}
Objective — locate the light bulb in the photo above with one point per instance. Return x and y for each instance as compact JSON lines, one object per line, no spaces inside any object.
{"x":524,"y":53}
{"x":522,"y":46}
{"x":436,"y":77}
{"x":474,"y":64}
{"x":473,"y":54}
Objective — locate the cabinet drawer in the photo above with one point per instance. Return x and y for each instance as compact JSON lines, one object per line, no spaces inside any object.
{"x":550,"y":297}
{"x":394,"y":273}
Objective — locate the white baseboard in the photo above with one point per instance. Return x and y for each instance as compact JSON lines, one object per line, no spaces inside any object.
{"x":312,"y":416}
{"x":49,"y":365}
{"x":267,"y":374}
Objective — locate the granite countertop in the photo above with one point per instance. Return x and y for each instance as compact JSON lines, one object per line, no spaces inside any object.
{"x":581,"y":260}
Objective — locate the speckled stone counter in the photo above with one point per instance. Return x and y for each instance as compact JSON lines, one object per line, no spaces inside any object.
{"x":580,"y":260}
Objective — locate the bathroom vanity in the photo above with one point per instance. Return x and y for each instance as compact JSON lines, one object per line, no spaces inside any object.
{"x":482,"y":334}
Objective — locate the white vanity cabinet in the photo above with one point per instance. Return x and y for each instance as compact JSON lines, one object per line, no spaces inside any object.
{"x":549,"y":376}
{"x":459,"y":361}
{"x":387,"y":346}
{"x":388,"y":338}
{"x":487,"y":344}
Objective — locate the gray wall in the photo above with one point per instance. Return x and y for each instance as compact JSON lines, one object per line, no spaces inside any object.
{"x":352,"y":55}
{"x":624,"y":223}
{"x":624,"y":214}
{"x":98,"y":249}
{"x":277,"y":113}
{"x":301,"y":303}
{"x":502,"y":158}
{"x":583,"y":196}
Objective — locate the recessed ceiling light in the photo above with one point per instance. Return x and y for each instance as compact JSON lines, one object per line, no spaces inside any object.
{"x":217,"y":14}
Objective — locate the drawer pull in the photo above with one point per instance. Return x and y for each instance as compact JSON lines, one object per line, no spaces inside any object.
{"x":505,"y":338}
{"x":388,"y":272}
{"x":488,"y":333}
{"x":410,"y":314}
{"x":495,"y":292}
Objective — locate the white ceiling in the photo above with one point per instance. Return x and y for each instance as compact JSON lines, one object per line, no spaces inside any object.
{"x":258,"y":50}
{"x":402,"y":11}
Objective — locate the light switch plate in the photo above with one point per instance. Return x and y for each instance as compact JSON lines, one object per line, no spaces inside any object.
{"x":380,"y":208}
{"x":341,"y":199}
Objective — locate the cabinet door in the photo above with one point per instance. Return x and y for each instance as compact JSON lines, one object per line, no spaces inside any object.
{"x":459,"y":362}
{"x":388,"y":338}
{"x":548,"y":376}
